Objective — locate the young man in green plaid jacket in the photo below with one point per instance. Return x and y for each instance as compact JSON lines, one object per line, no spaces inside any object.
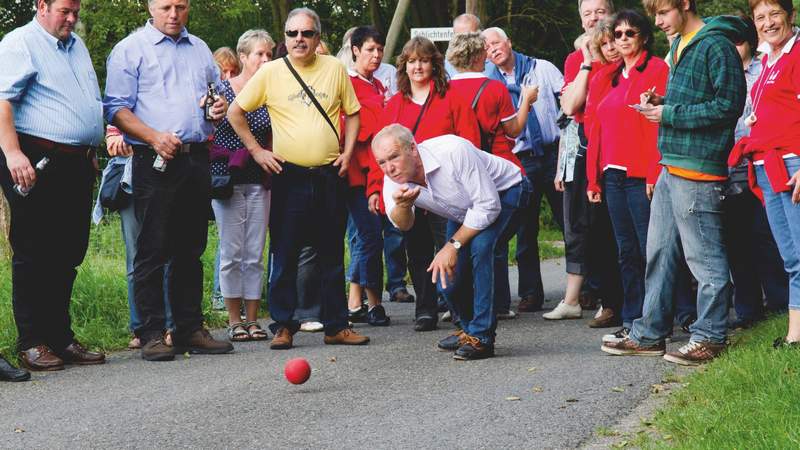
{"x":697,"y":115}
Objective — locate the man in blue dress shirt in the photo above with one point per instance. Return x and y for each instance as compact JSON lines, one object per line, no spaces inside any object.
{"x":49,"y":108}
{"x":156,"y":85}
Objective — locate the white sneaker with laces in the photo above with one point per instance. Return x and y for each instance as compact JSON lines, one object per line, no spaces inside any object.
{"x":311,"y":327}
{"x":617,"y":336}
{"x":564,"y":311}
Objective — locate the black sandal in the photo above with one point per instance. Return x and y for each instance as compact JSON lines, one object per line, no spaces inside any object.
{"x":237,"y":332}
{"x":255,"y":331}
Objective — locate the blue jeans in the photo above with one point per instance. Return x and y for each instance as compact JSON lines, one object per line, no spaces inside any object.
{"x":685,"y":214}
{"x":366,"y":243}
{"x":756,"y":264}
{"x":130,"y":232}
{"x":471,"y":294}
{"x":394,"y":253}
{"x":541,"y":171}
{"x":629,"y":209}
{"x":784,"y":220}
{"x":308,"y":209}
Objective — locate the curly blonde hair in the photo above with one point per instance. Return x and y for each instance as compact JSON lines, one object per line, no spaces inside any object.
{"x":465,"y":50}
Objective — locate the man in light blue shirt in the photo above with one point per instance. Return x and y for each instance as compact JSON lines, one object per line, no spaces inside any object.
{"x":156,"y":86}
{"x":50,"y":117}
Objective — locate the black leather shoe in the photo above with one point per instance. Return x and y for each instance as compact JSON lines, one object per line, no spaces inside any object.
{"x":11,"y":373}
{"x":425,"y":324}
{"x":358,"y":316}
{"x":473,"y":349}
{"x":377,"y":317}
{"x":401,"y":296}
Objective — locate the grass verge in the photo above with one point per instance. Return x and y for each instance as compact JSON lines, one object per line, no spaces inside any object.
{"x":747,"y":399}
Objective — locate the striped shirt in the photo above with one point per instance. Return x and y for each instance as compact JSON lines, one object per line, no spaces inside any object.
{"x":161,"y":80}
{"x":51,"y":85}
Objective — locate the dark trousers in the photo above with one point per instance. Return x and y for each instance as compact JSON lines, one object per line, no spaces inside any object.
{"x":541,"y":171}
{"x":421,"y":247}
{"x":308,"y":209}
{"x":49,"y":236}
{"x":590,"y":247}
{"x":756,"y":264}
{"x":172,"y":207}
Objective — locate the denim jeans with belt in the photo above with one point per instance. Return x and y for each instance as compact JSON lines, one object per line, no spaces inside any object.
{"x":366,"y":243}
{"x":686,"y":215}
{"x":308,"y":209}
{"x":471,"y":293}
{"x":172,"y":210}
{"x":784,"y":220}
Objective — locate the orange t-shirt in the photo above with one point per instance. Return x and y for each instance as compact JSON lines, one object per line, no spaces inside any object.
{"x":693,"y":174}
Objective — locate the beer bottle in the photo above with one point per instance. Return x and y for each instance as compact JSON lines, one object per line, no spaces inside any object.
{"x":211,"y":97}
{"x":40,"y":166}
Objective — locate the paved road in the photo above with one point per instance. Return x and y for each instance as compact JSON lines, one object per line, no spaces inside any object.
{"x":398,"y":392}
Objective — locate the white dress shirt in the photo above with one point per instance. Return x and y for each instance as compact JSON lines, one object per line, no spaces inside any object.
{"x":462,"y":182}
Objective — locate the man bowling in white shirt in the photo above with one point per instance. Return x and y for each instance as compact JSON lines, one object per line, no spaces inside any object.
{"x":482,"y":196}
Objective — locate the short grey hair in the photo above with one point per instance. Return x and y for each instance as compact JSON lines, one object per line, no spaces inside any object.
{"x":467,"y":17}
{"x":308,"y":12}
{"x":149,"y":2}
{"x":500,"y":32}
{"x":250,"y":38}
{"x":398,"y":134}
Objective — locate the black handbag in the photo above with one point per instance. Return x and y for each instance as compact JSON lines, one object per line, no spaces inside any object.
{"x":112,"y":196}
{"x":221,"y":187}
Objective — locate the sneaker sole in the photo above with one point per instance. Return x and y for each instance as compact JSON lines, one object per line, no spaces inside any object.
{"x":347,"y":343}
{"x":562,"y":318}
{"x":682,"y":362}
{"x":618,"y":352}
{"x":464,"y":358}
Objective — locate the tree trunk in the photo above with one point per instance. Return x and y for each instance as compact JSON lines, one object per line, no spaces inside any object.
{"x":280,"y":9}
{"x":375,"y":15}
{"x":394,"y":28}
{"x":472,"y":7}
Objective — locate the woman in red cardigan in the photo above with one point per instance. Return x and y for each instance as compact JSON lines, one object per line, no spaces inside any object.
{"x":622,"y":157}
{"x":773,"y":147}
{"x":425,"y":105}
{"x":365,"y":272}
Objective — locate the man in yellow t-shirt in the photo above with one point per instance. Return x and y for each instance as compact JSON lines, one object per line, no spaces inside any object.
{"x":308,"y":166}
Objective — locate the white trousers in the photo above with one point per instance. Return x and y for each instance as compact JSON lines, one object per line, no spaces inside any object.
{"x":242,"y":222}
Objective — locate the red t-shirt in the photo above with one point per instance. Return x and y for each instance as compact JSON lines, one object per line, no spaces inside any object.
{"x":572,"y":65}
{"x":494,"y":107}
{"x":450,"y":114}
{"x":371,"y":97}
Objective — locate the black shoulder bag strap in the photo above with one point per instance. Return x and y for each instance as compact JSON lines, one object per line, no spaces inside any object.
{"x":311,"y":96}
{"x":422,"y":112}
{"x":487,"y":139}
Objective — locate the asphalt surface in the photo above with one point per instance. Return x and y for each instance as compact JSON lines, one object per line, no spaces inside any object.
{"x":550,"y":386}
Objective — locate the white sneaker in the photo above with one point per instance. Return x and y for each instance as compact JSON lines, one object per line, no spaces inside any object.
{"x":311,"y":327}
{"x":446,"y":317}
{"x":507,"y":316}
{"x":617,"y":336}
{"x":564,"y":311}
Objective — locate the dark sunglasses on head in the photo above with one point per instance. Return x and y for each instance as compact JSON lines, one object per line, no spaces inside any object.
{"x":308,"y":34}
{"x":629,"y":33}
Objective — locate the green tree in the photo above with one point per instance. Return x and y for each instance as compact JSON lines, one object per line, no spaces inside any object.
{"x":13,"y":14}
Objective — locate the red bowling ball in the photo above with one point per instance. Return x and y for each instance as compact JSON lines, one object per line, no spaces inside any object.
{"x":297,"y":370}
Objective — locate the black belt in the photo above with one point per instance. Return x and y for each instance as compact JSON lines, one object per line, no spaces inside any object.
{"x":310,"y":170}
{"x":46,"y":145}
{"x":183,"y":149}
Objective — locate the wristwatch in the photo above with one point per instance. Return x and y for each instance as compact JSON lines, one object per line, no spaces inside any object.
{"x":585,"y":67}
{"x":456,"y":244}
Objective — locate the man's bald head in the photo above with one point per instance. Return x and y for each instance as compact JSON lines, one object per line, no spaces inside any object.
{"x":466,"y":23}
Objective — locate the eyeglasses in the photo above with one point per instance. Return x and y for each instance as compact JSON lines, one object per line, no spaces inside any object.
{"x":308,"y":34}
{"x":630,"y":33}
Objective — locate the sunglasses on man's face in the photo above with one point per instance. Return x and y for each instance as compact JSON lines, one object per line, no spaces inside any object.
{"x":308,"y":34}
{"x":630,"y":33}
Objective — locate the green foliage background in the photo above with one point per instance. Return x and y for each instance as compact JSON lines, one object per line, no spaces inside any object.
{"x":544,"y":28}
